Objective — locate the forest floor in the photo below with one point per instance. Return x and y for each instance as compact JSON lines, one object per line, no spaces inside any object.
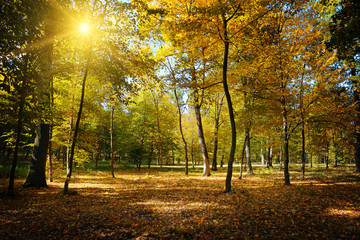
{"x":166,"y":204}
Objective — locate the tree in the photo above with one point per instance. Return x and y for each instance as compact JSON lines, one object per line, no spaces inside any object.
{"x":345,"y":34}
{"x":21,"y":28}
{"x":36,"y":177}
{"x":218,"y":106}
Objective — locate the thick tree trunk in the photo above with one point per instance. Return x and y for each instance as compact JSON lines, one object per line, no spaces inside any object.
{"x":112,"y":141}
{"x":36,"y":177}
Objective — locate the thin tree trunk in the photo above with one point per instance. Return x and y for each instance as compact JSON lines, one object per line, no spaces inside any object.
{"x":159,"y":153}
{"x":269,"y":154}
{"x":230,"y":107}
{"x":49,"y":52}
{"x":151,"y":154}
{"x":182,"y":133}
{"x":242,"y":157}
{"x":303,"y":151}
{"x":286,"y":143}
{"x":222,"y":157}
{"x":112,"y":141}
{"x":76,"y":130}
{"x":206,"y":171}
{"x":69,"y":141}
{"x":50,"y":154}
{"x":218,"y":107}
{"x":356,"y":89}
{"x":327,"y":156}
{"x":141,"y":152}
{"x":192,"y":153}
{"x":281,"y":156}
{"x":97,"y":159}
{"x":17,"y":144}
{"x":248,"y":153}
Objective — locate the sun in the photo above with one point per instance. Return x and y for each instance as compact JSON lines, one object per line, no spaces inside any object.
{"x":85,"y":28}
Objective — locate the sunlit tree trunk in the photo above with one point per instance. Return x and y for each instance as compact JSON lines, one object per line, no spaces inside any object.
{"x":192,"y":153}
{"x":182,"y":133}
{"x":228,"y":98}
{"x":242,"y":156}
{"x":268,"y":154}
{"x":140,"y":158}
{"x":248,"y":153}
{"x":218,"y":107}
{"x":206,"y":171}
{"x":76,"y":130}
{"x":159,"y":142}
{"x":49,"y":51}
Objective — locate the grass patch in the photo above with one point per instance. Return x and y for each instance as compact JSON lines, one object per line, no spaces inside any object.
{"x":265,"y":172}
{"x":21,"y":171}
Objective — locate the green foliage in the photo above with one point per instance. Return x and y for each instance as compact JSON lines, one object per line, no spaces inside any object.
{"x":21,"y":171}
{"x":266,"y":172}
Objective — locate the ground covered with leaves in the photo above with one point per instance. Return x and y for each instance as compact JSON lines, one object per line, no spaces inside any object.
{"x":159,"y":204}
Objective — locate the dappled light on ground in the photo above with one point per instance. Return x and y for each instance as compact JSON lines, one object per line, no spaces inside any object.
{"x":160,"y":205}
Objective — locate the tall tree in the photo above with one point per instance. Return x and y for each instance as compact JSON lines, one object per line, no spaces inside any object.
{"x":20,"y":75}
{"x":345,"y":37}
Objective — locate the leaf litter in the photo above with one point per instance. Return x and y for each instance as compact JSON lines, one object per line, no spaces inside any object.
{"x":172,"y":206}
